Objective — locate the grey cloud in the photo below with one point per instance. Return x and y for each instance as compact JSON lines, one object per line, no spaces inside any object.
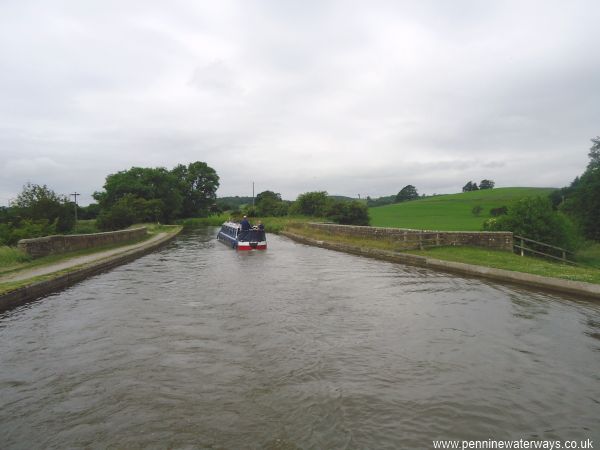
{"x":216,"y":75}
{"x":494,"y":164}
{"x":341,"y":96}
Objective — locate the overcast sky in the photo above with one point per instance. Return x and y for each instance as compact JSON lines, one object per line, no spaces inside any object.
{"x":351,"y":97}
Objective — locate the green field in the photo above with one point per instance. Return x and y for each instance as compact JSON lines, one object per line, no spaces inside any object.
{"x":451,"y":212}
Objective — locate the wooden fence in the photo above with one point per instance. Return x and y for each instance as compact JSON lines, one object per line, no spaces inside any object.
{"x":521,"y":247}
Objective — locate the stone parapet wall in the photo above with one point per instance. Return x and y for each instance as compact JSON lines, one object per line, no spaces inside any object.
{"x":414,"y":239}
{"x":52,"y":245}
{"x":577,"y":288}
{"x":43,"y":288}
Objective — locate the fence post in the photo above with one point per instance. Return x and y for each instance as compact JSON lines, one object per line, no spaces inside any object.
{"x":555,"y":251}
{"x":522,"y":245}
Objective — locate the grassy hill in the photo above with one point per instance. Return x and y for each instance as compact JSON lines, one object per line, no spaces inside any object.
{"x":450,"y":212}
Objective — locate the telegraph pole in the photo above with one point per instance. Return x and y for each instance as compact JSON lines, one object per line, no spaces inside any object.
{"x":75,"y":194}
{"x":253,"y":194}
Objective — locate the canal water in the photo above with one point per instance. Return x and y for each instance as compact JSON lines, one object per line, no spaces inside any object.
{"x":199,"y":346}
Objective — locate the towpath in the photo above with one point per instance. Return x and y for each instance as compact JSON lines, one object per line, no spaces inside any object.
{"x":77,"y":261}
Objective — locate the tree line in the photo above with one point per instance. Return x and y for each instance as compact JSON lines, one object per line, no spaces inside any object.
{"x":312,"y":204}
{"x":161,"y":195}
{"x":565,"y":218}
{"x":483,"y":184}
{"x":142,"y":194}
{"x":409,"y":192}
{"x":131,"y":196}
{"x":581,"y":199}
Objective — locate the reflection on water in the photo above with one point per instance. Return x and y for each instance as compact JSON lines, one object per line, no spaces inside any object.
{"x":197,"y":346}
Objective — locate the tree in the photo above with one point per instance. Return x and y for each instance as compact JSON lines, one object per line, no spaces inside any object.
{"x":407,"y":193}
{"x":198,"y":184}
{"x":470,"y":186}
{"x":268,"y":194}
{"x":124,"y":212}
{"x":145,"y":183}
{"x":582,"y":198}
{"x":90,"y":211}
{"x":594,"y":154}
{"x":38,"y":203}
{"x":486,"y":184}
{"x":269,"y":203}
{"x":232,"y":203}
{"x":312,"y":204}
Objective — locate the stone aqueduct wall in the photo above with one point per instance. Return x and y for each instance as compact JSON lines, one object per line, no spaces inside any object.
{"x":51,"y":245}
{"x":419,"y":239}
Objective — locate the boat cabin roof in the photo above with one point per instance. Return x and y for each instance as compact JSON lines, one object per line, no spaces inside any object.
{"x":232,"y":225}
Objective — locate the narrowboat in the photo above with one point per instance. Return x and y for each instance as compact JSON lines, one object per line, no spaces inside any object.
{"x":231,"y":234}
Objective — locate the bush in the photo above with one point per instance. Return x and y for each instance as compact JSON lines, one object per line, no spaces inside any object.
{"x":88,"y":212}
{"x":128,"y":210}
{"x":85,"y":227}
{"x":589,"y":254}
{"x":501,"y":211}
{"x":348,"y":213}
{"x":65,"y":220}
{"x":535,"y":219}
{"x":11,"y":233}
{"x":319,"y":204}
{"x":477,"y":210}
{"x":10,"y":256}
{"x":250,"y":211}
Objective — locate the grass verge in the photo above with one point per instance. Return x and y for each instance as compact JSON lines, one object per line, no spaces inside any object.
{"x":589,"y":254}
{"x":510,"y":261}
{"x":13,"y":285}
{"x":51,"y":259}
{"x":10,"y":256}
{"x":469,"y":255}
